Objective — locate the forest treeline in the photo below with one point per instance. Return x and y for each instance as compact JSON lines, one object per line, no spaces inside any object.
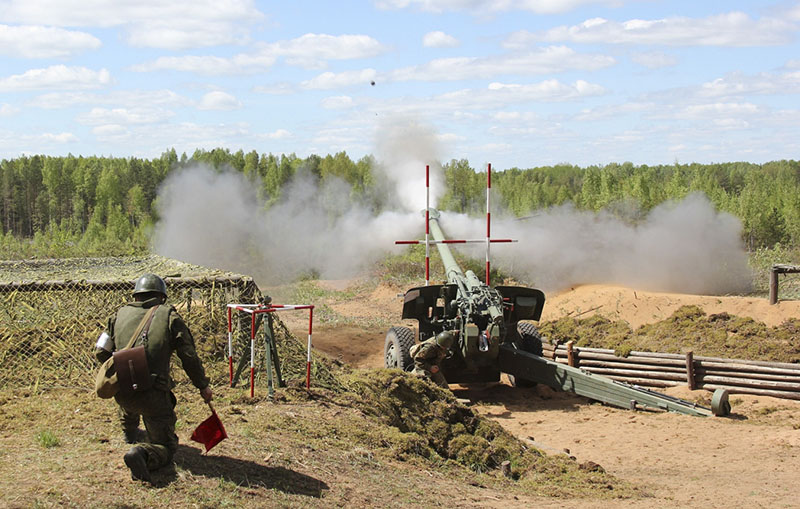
{"x":86,"y":206}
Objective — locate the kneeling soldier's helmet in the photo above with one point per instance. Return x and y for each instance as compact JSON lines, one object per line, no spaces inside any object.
{"x":150,"y":283}
{"x":445,"y":339}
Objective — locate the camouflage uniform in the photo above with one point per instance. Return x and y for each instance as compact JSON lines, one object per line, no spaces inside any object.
{"x":156,"y":406}
{"x":427,"y":357}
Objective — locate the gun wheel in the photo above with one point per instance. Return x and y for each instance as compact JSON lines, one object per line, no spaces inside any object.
{"x":530,"y":340}
{"x":399,"y":341}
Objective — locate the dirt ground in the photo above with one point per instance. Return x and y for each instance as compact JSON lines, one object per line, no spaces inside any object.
{"x":751,"y":459}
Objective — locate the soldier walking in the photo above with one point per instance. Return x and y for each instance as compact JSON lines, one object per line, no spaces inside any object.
{"x":167,"y":333}
{"x":428,"y":356}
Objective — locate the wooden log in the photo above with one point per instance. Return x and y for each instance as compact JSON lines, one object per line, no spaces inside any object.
{"x":649,"y":382}
{"x":785,"y":365}
{"x":570,"y":354}
{"x":636,"y":373}
{"x":750,"y":374}
{"x":582,"y":354}
{"x":773,"y":286}
{"x":754,"y":368}
{"x":690,"y":370}
{"x":747,"y":382}
{"x":630,"y":365}
{"x":751,"y":390}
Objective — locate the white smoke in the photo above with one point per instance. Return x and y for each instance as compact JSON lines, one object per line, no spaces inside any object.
{"x":686,"y":247}
{"x":215,"y":219}
{"x":404,"y":147}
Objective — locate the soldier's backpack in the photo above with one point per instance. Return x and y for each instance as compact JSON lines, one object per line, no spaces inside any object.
{"x":126,"y":370}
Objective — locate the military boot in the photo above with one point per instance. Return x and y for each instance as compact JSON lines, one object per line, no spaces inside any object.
{"x":136,"y":460}
{"x":134,"y":436}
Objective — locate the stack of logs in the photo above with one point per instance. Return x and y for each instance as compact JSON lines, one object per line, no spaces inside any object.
{"x":776,"y":379}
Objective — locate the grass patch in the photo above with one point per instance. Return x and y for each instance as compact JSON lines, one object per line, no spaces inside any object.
{"x":47,"y":439}
{"x":688,"y":328}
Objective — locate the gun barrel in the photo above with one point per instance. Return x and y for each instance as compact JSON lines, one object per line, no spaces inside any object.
{"x":453,"y":272}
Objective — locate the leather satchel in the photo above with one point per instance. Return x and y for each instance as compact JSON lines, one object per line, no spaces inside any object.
{"x":126,"y":370}
{"x":133,"y":373}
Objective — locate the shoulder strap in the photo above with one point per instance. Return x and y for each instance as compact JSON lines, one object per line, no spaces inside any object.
{"x":144,"y":326}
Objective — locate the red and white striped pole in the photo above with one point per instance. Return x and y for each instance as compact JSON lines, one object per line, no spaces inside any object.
{"x":427,"y":224}
{"x":488,"y":218}
{"x":230,"y":344}
{"x":252,"y":354}
{"x":308,"y":356}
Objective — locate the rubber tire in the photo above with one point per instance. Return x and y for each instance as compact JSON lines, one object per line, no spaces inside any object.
{"x":530,"y":341}
{"x":399,"y":341}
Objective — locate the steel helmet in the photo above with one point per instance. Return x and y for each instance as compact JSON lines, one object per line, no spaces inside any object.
{"x":445,"y":339}
{"x":150,"y":283}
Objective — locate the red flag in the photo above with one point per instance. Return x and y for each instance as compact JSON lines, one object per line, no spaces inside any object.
{"x":210,"y":432}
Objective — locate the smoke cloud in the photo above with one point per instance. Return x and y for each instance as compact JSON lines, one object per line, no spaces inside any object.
{"x":686,"y":247}
{"x":216,"y":219}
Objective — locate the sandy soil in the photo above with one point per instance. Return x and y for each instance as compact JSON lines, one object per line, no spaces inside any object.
{"x":639,"y":308}
{"x":751,"y":459}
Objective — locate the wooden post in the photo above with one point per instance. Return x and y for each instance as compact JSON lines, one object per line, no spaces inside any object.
{"x":773,"y":285}
{"x":690,"y":370}
{"x":570,"y":354}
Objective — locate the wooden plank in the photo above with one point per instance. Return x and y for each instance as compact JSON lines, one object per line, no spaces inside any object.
{"x":735,"y":366}
{"x":751,"y":390}
{"x":690,"y":381}
{"x":630,"y":365}
{"x":747,"y":382}
{"x":750,"y":374}
{"x":636,"y":373}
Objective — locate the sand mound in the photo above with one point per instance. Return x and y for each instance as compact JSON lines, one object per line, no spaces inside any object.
{"x":640,"y":307}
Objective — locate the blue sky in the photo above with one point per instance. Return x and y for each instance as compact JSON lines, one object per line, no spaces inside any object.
{"x":515,"y":83}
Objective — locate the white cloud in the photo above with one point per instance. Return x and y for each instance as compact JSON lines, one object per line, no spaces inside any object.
{"x":136,"y":115}
{"x":439,"y":39}
{"x":44,"y":42}
{"x":310,"y":51}
{"x":733,"y":29}
{"x":464,"y":104}
{"x":58,"y":137}
{"x":7,"y":110}
{"x":739,"y":84}
{"x":537,"y":6}
{"x":615,"y":111}
{"x":549,"y":60}
{"x":279,"y":134}
{"x":175,"y":25}
{"x":283,"y":88}
{"x":339,"y":102}
{"x":654,"y":59}
{"x":218,"y":100}
{"x":329,"y":80}
{"x":130,"y":99}
{"x":242,"y":63}
{"x":56,"y":77}
{"x":109,"y":132}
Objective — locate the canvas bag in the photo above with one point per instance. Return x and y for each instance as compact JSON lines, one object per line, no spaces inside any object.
{"x":108,"y":381}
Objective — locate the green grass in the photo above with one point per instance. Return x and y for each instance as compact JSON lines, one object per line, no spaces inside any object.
{"x":47,"y":439}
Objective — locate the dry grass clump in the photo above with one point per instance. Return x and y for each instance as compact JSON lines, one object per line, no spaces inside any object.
{"x":434,"y":425}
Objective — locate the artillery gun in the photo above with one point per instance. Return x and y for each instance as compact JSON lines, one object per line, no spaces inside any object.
{"x":495,"y":334}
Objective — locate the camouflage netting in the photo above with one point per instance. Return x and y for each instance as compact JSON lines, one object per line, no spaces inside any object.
{"x":49,"y":323}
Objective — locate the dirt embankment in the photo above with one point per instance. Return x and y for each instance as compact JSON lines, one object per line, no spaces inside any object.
{"x":639,"y":308}
{"x":750,"y":459}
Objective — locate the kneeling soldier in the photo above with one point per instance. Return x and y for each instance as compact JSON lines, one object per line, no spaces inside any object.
{"x":428,"y":356}
{"x":167,"y":333}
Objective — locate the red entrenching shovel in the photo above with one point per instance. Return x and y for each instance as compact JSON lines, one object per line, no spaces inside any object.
{"x":211,"y":431}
